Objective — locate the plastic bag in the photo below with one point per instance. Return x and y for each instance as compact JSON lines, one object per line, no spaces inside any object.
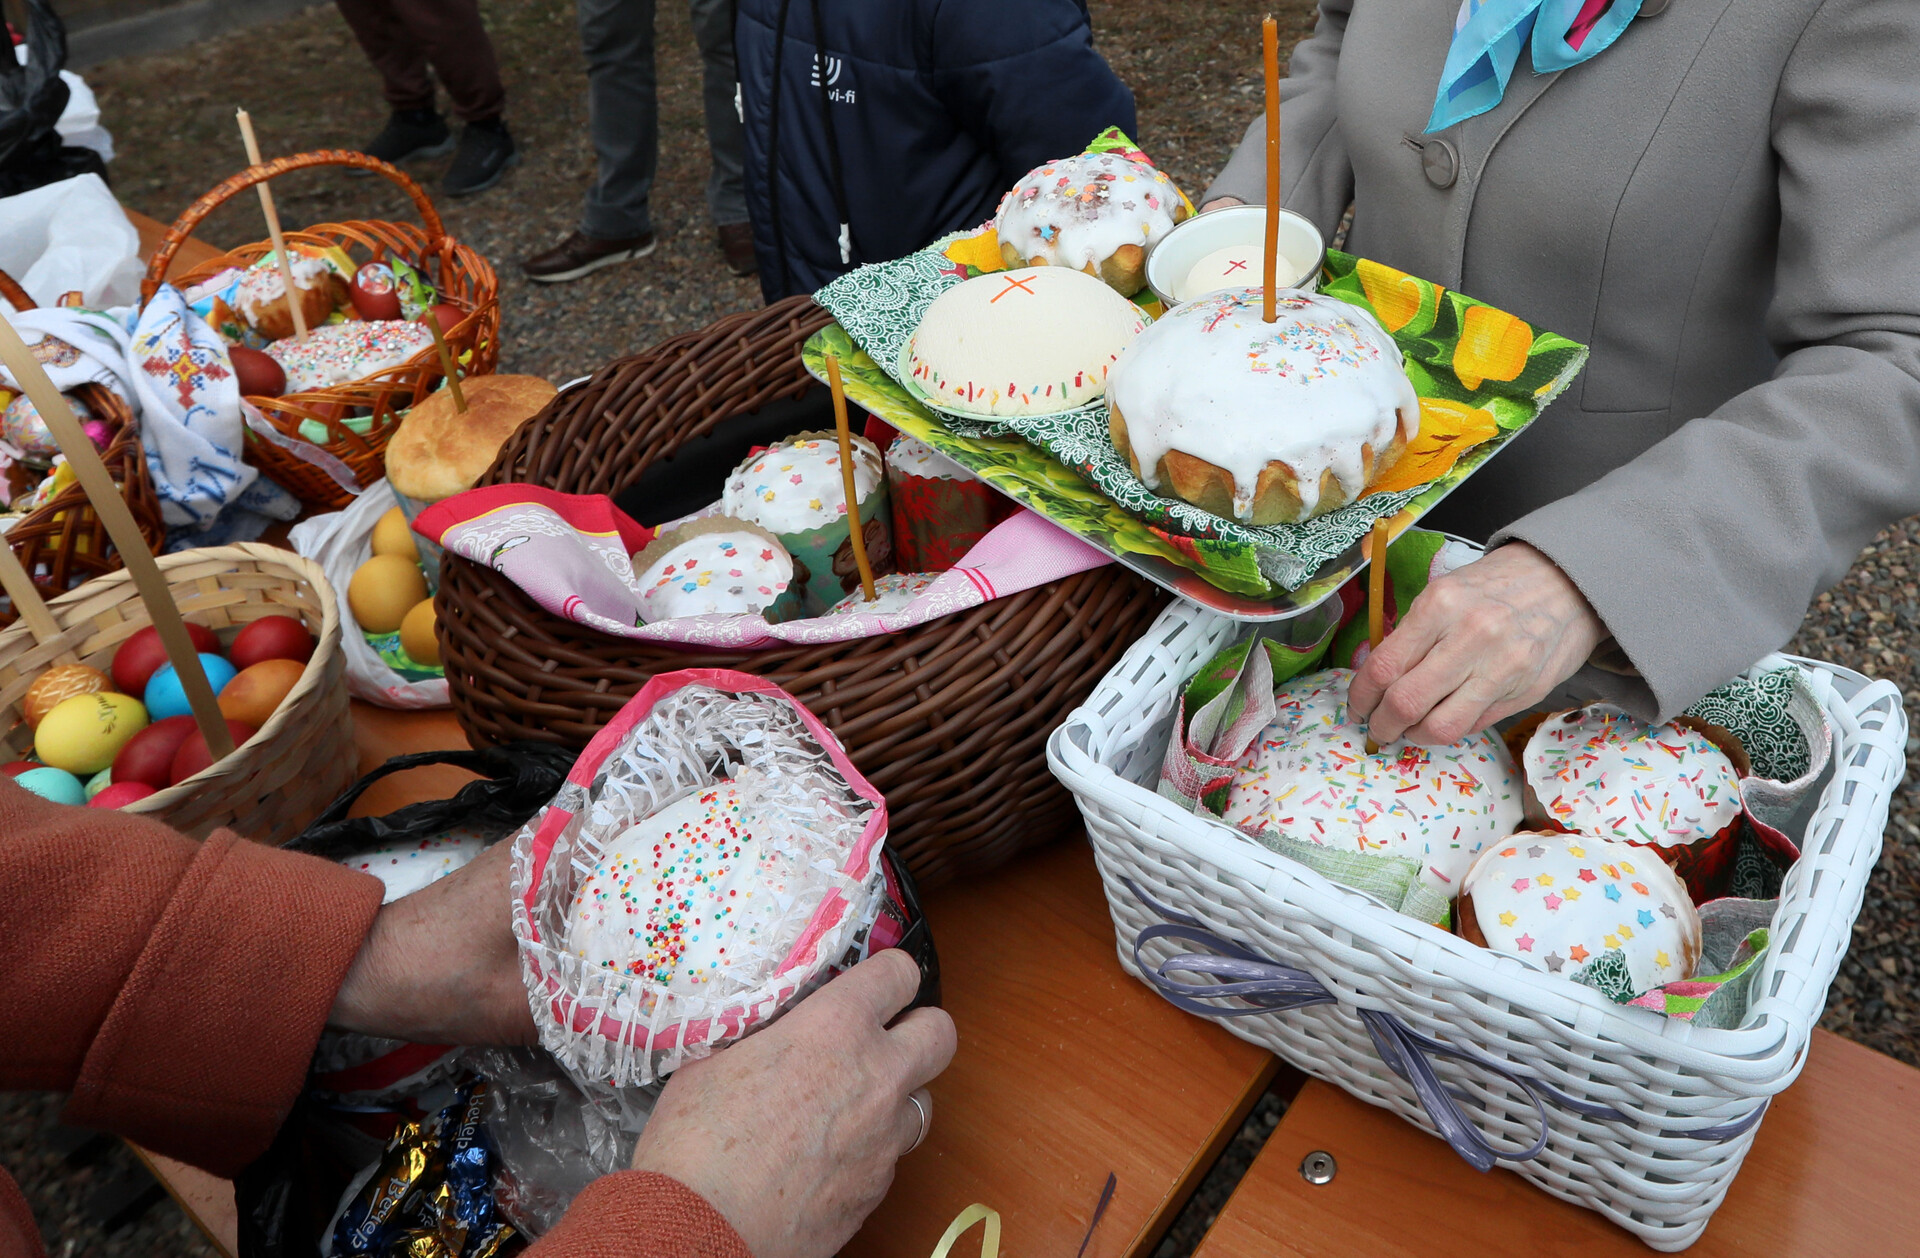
{"x":340,"y":542}
{"x":70,"y":237}
{"x":33,"y":96}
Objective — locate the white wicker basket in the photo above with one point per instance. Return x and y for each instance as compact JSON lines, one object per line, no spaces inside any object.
{"x":1661,"y":1078}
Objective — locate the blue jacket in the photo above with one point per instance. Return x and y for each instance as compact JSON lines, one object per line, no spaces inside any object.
{"x":937,"y":108}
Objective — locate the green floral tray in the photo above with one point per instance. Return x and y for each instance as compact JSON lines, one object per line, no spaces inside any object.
{"x":1482,"y":376}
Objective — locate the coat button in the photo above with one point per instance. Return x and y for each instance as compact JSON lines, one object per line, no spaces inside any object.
{"x":1653,"y":8}
{"x":1439,"y":160}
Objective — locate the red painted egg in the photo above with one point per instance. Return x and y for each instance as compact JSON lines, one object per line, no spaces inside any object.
{"x":119,"y":795}
{"x":375,"y":293}
{"x":148,"y":755}
{"x":271,"y":638}
{"x":257,"y":374}
{"x":143,"y":653}
{"x":18,"y":767}
{"x":448,"y":317}
{"x":193,"y":755}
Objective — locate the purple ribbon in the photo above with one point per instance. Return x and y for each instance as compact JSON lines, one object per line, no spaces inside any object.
{"x":1268,"y":986}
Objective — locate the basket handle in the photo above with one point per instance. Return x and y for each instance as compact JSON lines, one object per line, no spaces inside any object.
{"x":1270,"y":986}
{"x":16,"y":296}
{"x":191,"y":218}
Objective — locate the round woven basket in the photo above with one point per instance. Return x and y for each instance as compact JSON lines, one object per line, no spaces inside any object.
{"x":463,"y":278}
{"x":948,"y":720}
{"x":269,"y":788}
{"x":62,"y":542}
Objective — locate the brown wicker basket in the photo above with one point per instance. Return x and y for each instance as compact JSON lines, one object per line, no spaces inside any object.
{"x":948,"y":719}
{"x":62,"y":542}
{"x":282,"y":777}
{"x":463,"y":278}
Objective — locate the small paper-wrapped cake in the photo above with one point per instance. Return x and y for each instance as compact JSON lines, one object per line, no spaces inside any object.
{"x":713,"y":566}
{"x":1309,"y":777}
{"x":797,"y":491}
{"x":260,"y":299}
{"x":1608,"y":913}
{"x":335,"y":353}
{"x":940,"y":509}
{"x":1673,"y":787}
{"x":1098,"y":213}
{"x":713,"y":858}
{"x":891,"y":593}
{"x":1028,"y":342}
{"x":1265,"y":423}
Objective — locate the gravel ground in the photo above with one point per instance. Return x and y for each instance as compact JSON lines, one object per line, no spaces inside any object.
{"x":1194,"y":69}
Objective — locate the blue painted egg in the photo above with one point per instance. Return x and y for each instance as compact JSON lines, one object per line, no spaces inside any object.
{"x":165,"y":695}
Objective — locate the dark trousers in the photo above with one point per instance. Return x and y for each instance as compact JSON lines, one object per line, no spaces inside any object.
{"x":624,"y":115}
{"x":403,"y":37}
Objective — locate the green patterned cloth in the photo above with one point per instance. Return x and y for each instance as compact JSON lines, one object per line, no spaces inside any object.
{"x":1458,"y":351}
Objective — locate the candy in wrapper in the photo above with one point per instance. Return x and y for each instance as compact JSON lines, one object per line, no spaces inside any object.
{"x":468,"y":1151}
{"x":384,"y":1209}
{"x":939,"y":508}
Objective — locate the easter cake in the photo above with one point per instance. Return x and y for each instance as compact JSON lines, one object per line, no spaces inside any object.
{"x":1264,"y":423}
{"x":1098,"y":213}
{"x":712,"y":566}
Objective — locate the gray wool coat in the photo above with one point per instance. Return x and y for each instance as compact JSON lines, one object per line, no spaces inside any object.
{"x":1725,"y":205}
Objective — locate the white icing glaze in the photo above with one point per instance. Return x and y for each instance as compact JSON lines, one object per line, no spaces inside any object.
{"x":692,"y":896}
{"x":1214,"y":381}
{"x":1077,"y":211}
{"x":1600,"y":771}
{"x":1309,"y":777}
{"x":892,"y":593}
{"x":1027,"y":342}
{"x":1559,"y":901}
{"x":407,"y":867}
{"x":910,"y":456}
{"x":335,"y":353}
{"x":797,"y":485}
{"x":262,"y":285}
{"x":714,"y":573}
{"x":1236,"y":266}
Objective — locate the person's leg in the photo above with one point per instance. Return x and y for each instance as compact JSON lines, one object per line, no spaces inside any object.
{"x":726,"y":138}
{"x":415,"y":129}
{"x":623,"y":116}
{"x":399,"y":60}
{"x":450,"y":35}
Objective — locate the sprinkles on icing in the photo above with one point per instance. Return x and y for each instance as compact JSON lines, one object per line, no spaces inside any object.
{"x":1600,"y":771}
{"x":1077,"y":212}
{"x":798,"y":485}
{"x":1308,"y":776}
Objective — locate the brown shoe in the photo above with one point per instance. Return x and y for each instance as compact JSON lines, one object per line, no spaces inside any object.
{"x":736,"y":241}
{"x":581,"y":254}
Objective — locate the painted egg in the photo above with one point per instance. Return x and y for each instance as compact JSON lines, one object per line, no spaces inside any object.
{"x":59,"y":683}
{"x":417,"y":637}
{"x":383,"y":591}
{"x":193,"y":755}
{"x":166,"y":697}
{"x":83,"y":734}
{"x":271,"y":638}
{"x":148,"y":755}
{"x":55,"y":784}
{"x":25,"y":429}
{"x":120,"y":794}
{"x":375,"y":293}
{"x":258,"y":691}
{"x":394,"y":536}
{"x":141,"y":655}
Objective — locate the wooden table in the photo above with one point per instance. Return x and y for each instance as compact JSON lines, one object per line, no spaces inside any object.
{"x":1831,"y":1173}
{"x":1069,"y":1070}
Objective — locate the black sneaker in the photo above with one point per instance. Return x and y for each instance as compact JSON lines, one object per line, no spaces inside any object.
{"x":409,"y":133}
{"x":486,"y":152}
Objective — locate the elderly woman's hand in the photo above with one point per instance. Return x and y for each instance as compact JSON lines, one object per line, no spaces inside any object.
{"x":440,"y":965}
{"x":792,"y":1133}
{"x":1479,"y":644}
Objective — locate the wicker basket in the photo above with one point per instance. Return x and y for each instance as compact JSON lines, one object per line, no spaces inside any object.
{"x":463,"y":278}
{"x":1650,"y":1117}
{"x":269,"y":788}
{"x":948,"y":719}
{"x":62,"y":542}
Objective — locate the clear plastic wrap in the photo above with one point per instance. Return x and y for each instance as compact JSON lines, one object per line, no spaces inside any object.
{"x":798,"y":906}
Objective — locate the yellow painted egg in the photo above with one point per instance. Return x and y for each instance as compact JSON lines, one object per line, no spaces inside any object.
{"x":84,"y":733}
{"x":384,"y":590}
{"x":416,"y":635}
{"x":394,"y":536}
{"x":63,"y":682}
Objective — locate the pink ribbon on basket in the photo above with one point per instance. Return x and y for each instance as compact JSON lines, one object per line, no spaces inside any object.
{"x":1268,"y":986}
{"x":571,"y":553}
